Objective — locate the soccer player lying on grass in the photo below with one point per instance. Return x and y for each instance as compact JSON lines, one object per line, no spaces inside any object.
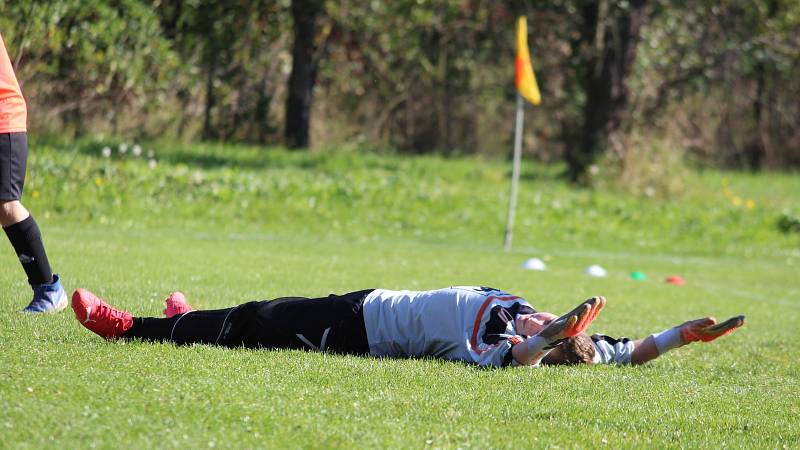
{"x":476,"y":325}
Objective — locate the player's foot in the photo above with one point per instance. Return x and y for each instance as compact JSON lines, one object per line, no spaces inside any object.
{"x":48,"y":298}
{"x":575,"y":321}
{"x":95,"y":314}
{"x":176,"y":304}
{"x":707,"y":329}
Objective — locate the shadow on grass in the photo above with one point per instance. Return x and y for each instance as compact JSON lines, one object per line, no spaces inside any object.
{"x":251,"y":157}
{"x":199,"y":156}
{"x":219,"y":155}
{"x":534,"y":172}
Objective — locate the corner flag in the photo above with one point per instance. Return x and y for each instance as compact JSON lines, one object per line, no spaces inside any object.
{"x":527,"y":89}
{"x":524,"y":77}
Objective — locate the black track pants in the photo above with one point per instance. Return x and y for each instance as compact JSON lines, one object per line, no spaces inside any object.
{"x":334,"y":323}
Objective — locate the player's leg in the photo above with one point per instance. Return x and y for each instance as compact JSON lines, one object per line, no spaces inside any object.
{"x":22,"y":230}
{"x":334,"y":323}
{"x":222,"y":327}
{"x":217,"y":327}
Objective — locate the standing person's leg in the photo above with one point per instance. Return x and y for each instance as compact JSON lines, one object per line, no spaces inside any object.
{"x":21,"y":228}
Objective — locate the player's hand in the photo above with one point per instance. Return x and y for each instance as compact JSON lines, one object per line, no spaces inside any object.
{"x":575,"y":321}
{"x":707,"y":329}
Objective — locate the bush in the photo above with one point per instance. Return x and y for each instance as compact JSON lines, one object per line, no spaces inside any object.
{"x":789,"y":222}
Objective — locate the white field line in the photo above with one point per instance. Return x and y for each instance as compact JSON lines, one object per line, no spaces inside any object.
{"x":721,"y":290}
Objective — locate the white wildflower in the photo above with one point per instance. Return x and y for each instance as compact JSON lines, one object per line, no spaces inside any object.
{"x":106,"y":152}
{"x":196,"y":177}
{"x":151,"y":164}
{"x":136,"y":150}
{"x":123,"y":148}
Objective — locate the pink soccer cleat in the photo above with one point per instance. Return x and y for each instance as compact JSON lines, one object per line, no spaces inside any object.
{"x":176,"y":305}
{"x":95,"y":314}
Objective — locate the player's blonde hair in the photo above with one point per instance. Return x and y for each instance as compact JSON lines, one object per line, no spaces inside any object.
{"x":578,"y":349}
{"x":575,"y":350}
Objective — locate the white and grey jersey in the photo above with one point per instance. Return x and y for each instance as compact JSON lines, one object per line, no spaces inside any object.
{"x":463,"y":323}
{"x":608,"y":350}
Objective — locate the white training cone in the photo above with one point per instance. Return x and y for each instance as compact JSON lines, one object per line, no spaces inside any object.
{"x":533,"y":264}
{"x":595,"y":271}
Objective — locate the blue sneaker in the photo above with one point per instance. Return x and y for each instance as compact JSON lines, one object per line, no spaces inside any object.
{"x":48,"y":298}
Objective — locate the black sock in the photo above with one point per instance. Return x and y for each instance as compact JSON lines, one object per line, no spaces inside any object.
{"x":26,"y":239}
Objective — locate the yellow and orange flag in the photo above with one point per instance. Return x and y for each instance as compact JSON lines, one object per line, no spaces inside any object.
{"x":524,"y":77}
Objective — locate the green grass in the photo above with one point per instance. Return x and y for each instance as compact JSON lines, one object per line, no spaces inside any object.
{"x":230,"y":224}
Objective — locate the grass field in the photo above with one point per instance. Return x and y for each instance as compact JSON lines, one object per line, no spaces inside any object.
{"x":230,"y":224}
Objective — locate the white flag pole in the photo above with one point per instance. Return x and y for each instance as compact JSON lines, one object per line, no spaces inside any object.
{"x":512,"y":200}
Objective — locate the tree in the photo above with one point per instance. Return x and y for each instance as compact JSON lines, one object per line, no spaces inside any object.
{"x":82,"y":60}
{"x":232,"y":53}
{"x":723,"y":75}
{"x":424,"y":76}
{"x":610,"y":33}
{"x":304,"y":72}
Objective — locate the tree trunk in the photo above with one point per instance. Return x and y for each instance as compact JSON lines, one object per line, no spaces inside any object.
{"x":304,"y":73}
{"x":616,"y":35}
{"x":759,"y":153}
{"x":208,"y":126}
{"x":210,"y":63}
{"x":261,"y":113}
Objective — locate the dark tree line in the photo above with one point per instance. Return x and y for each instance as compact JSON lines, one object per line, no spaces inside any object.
{"x":715,"y":79}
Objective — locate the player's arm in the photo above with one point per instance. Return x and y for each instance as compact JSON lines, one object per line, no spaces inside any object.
{"x":531,"y":351}
{"x":703,"y":330}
